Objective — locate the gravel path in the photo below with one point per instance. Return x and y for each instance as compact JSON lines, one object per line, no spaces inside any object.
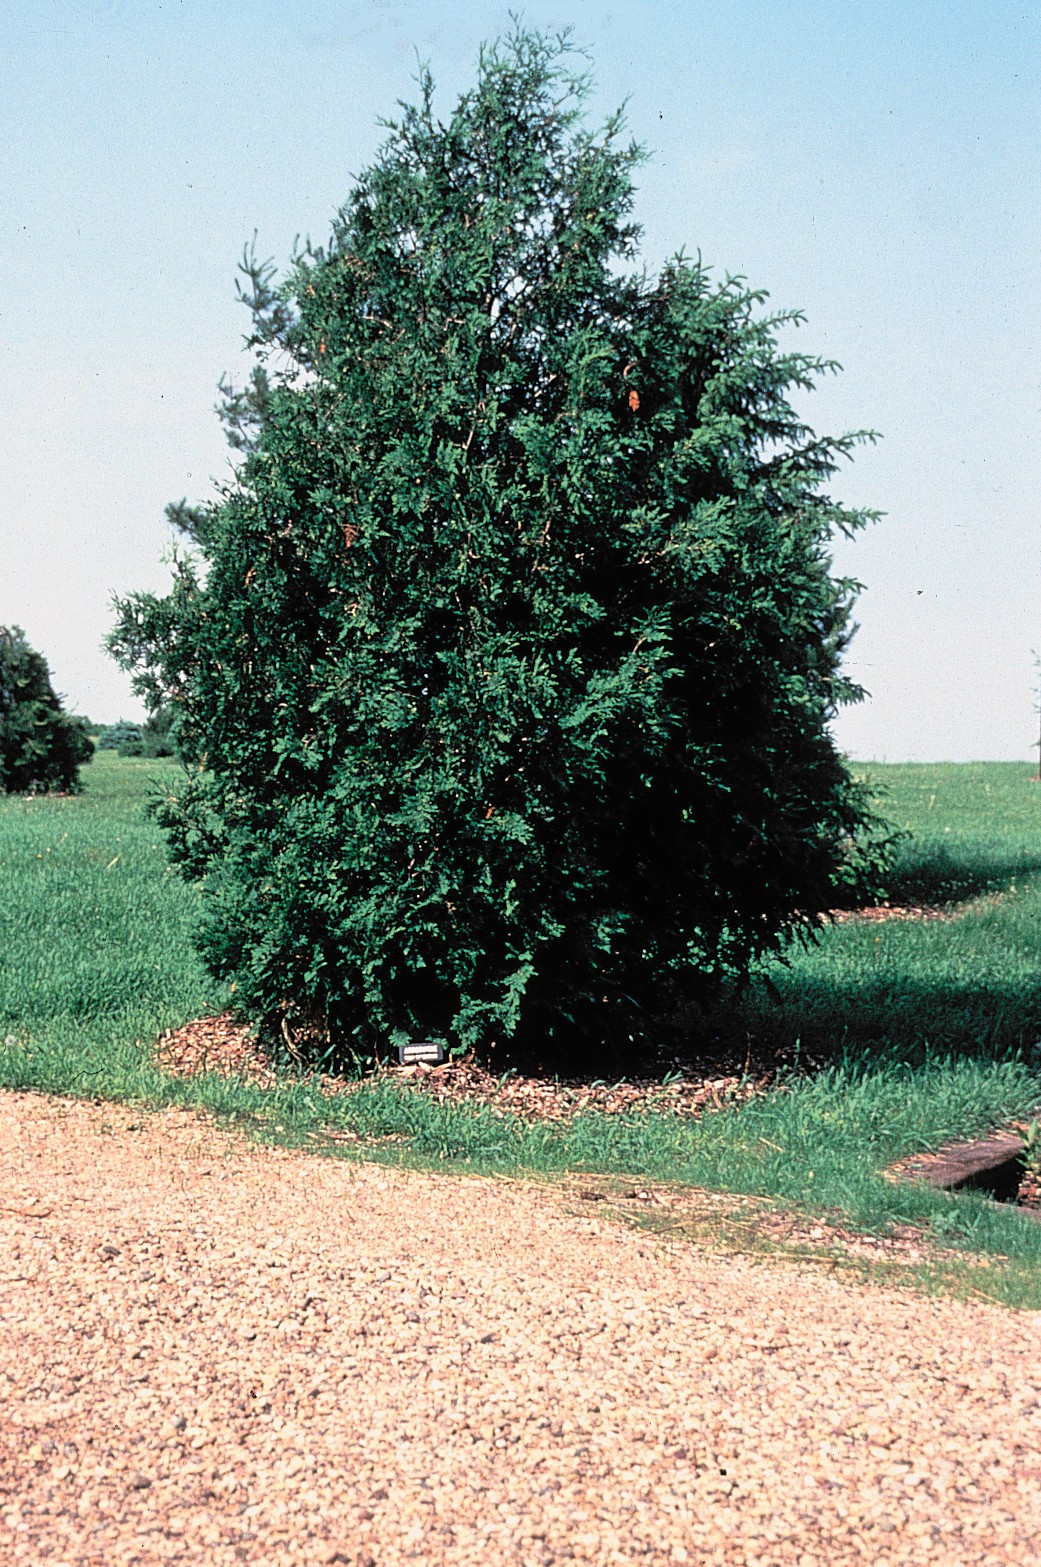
{"x":215,"y":1353}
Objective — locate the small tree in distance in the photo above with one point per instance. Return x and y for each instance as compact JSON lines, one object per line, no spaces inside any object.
{"x":115,"y":737}
{"x":156,"y":737}
{"x":41,"y":747}
{"x":506,"y":688}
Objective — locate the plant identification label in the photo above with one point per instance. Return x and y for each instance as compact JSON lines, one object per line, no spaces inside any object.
{"x":432,"y":1050}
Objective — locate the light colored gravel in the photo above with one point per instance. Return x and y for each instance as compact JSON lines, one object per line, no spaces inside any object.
{"x":213,"y":1353}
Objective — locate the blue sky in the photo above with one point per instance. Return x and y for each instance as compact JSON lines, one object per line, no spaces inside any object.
{"x":876,"y":165}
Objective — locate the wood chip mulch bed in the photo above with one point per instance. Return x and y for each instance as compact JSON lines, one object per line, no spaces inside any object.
{"x":876,"y":913}
{"x":214,"y":1044}
{"x":547,"y":1099}
{"x":892,"y":911}
{"x":222,"y":1045}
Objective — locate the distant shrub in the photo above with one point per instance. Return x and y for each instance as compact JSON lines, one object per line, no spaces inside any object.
{"x":157,"y":736}
{"x":159,"y":733}
{"x":41,"y":747}
{"x":121,"y":733}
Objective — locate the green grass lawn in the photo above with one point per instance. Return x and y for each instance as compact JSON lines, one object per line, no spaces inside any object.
{"x":931,"y":1027}
{"x":971,"y":984}
{"x":95,"y":953}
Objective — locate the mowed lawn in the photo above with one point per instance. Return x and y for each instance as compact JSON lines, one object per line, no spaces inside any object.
{"x":95,"y":952}
{"x":932,"y":1025}
{"x":967,"y":983}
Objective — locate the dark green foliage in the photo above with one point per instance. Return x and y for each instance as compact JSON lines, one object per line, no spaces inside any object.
{"x":41,"y":747}
{"x":505,"y":688}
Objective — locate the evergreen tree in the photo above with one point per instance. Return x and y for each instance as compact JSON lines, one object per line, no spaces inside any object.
{"x":159,"y":733}
{"x":507,"y":680}
{"x":120,"y":735}
{"x":41,"y":747}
